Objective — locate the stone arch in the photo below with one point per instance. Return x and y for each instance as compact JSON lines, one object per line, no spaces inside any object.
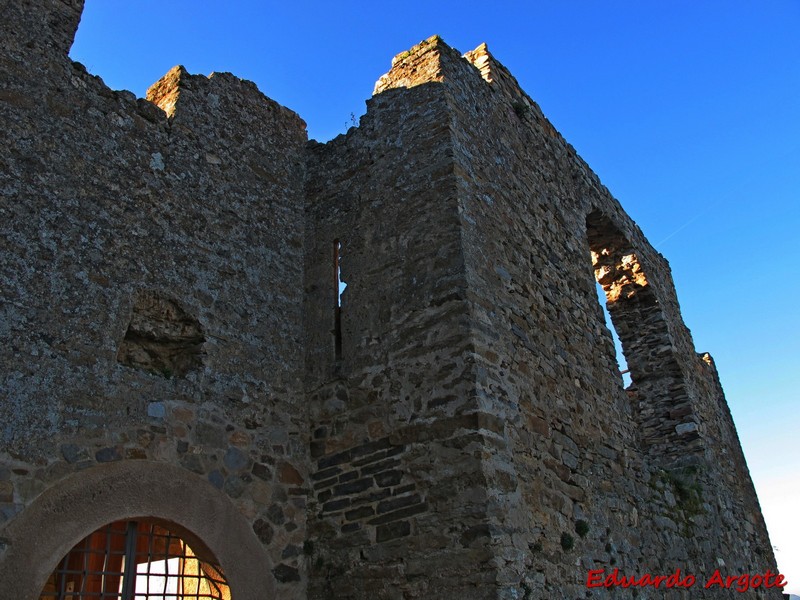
{"x":59,"y":518}
{"x":668,"y":426}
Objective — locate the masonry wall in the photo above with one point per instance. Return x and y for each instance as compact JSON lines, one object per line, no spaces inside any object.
{"x":454,"y":425}
{"x":596,"y":476}
{"x":579,"y":473}
{"x":151,"y":289}
{"x":398,"y":491}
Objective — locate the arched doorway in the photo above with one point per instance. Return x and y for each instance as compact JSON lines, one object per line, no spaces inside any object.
{"x":163,"y":497}
{"x":137,"y":559}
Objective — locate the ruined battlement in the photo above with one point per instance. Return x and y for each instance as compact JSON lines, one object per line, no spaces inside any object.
{"x":40,"y":30}
{"x":180,"y":366}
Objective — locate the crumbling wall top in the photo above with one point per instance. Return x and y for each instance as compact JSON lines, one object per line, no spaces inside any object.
{"x":496,"y":73}
{"x":218,"y":97}
{"x":429,"y":61}
{"x":40,"y":27}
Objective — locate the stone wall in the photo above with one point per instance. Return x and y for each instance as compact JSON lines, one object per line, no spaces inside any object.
{"x":574,"y":472}
{"x":453,"y":424}
{"x":634,"y":478}
{"x":398,"y":485}
{"x":151,"y":286}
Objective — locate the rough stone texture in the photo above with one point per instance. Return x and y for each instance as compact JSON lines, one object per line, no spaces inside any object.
{"x":455,"y":426}
{"x":161,"y":338}
{"x":126,"y":234}
{"x":470,"y":332}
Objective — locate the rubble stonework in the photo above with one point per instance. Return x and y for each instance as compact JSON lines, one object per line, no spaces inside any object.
{"x":453,"y":426}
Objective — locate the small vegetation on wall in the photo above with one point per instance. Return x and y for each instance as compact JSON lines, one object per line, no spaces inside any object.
{"x":683,"y":483}
{"x":567,"y":541}
{"x":581,"y":527}
{"x":520,"y":108}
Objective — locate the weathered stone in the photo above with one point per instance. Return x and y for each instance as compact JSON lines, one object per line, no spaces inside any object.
{"x":275,"y":514}
{"x":379,"y":466}
{"x":135,"y":454}
{"x":263,"y":531}
{"x":291,"y":551}
{"x":359,"y":513}
{"x":261,"y":471}
{"x":161,"y":337}
{"x":194,"y":463}
{"x":353,"y":487}
{"x":235,"y":460}
{"x":378,"y":456}
{"x":72,"y":453}
{"x":234,"y":486}
{"x":402,"y":513}
{"x":372,"y":497}
{"x":388,"y":505}
{"x":107,"y":455}
{"x":286,"y":574}
{"x":289,"y":474}
{"x":6,"y":492}
{"x":388,"y":478}
{"x":208,"y":434}
{"x":216,"y":479}
{"x":172,"y":272}
{"x":384,"y":533}
{"x":345,"y":477}
{"x":334,"y":505}
{"x":326,"y":473}
{"x":351,"y":527}
{"x":335,"y":459}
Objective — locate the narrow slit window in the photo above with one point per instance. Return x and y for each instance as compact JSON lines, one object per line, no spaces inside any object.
{"x":339,"y":287}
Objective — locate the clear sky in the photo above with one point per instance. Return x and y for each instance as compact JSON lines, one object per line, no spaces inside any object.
{"x":689,"y":111}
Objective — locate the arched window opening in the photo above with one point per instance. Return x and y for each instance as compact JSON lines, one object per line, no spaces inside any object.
{"x":136,"y":560}
{"x":664,"y":412}
{"x":624,"y":295}
{"x":622,"y":362}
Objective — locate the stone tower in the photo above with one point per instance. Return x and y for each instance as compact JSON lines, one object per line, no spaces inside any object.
{"x":178,"y":356}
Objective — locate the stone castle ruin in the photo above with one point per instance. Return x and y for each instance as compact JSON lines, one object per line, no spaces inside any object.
{"x":184,"y":388}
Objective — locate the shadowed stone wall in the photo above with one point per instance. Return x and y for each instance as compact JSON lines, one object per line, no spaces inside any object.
{"x":397,"y":480}
{"x":121,"y":220}
{"x":637,"y":478}
{"x":454,"y":425}
{"x":564,"y":470}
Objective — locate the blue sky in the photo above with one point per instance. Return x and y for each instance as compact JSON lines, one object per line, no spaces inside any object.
{"x":688,"y":111}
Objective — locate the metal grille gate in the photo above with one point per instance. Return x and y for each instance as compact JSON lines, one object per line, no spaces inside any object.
{"x":135,"y":560}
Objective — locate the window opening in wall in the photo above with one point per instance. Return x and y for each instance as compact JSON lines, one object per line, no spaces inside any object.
{"x":622,"y":290}
{"x":620,"y":355}
{"x":664,"y":411}
{"x":135,"y":560}
{"x":161,"y":338}
{"x":339,"y":287}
